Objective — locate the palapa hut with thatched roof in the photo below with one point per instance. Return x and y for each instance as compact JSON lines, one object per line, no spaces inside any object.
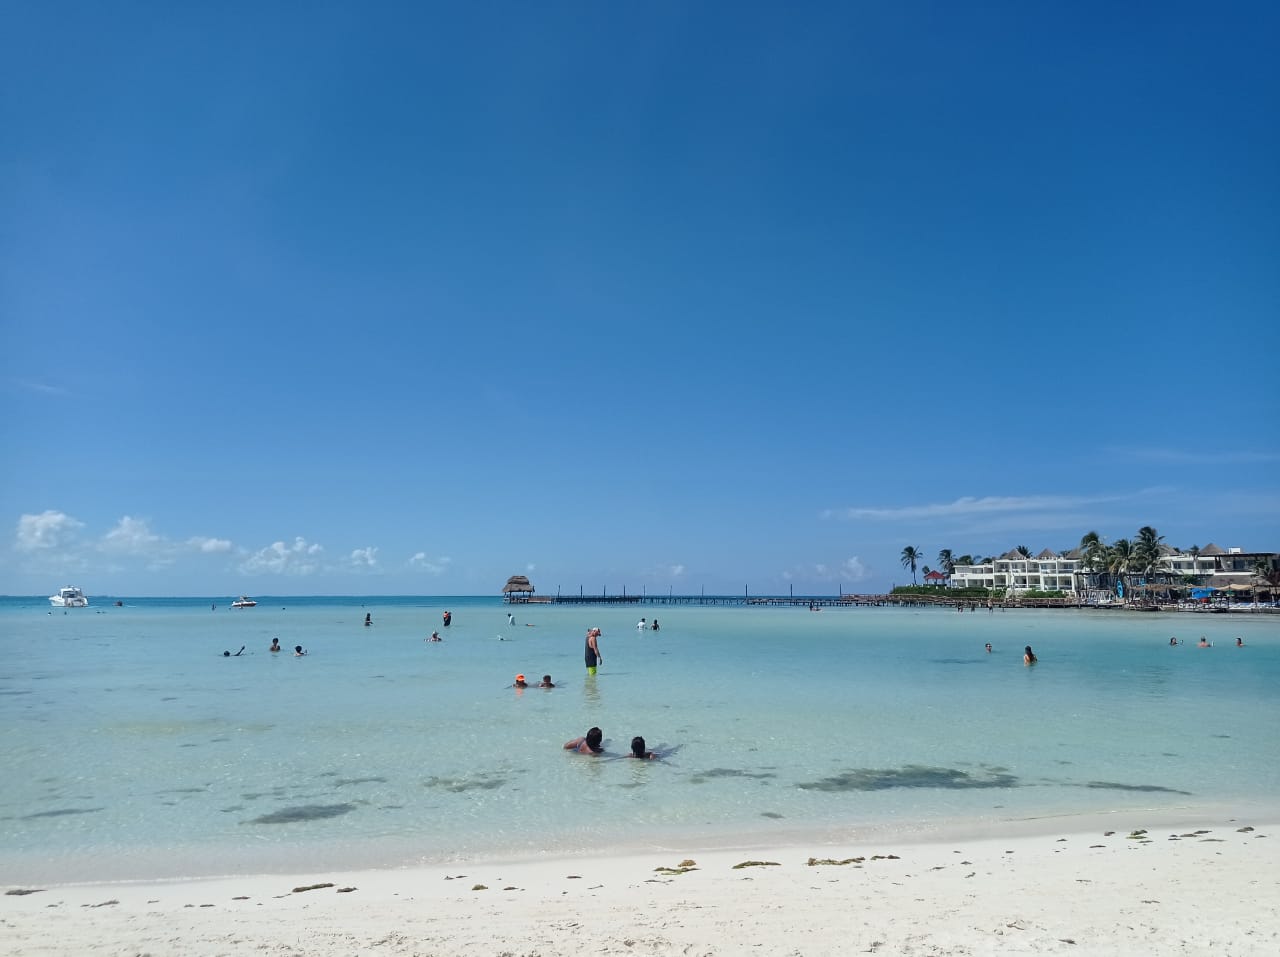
{"x":517,"y":588}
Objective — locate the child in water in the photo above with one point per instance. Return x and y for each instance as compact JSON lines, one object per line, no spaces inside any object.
{"x":638,"y":750}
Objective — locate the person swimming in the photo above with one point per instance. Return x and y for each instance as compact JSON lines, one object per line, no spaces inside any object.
{"x":1029,"y":656}
{"x":297,"y":651}
{"x":638,"y":750}
{"x":590,"y":743}
{"x":227,"y":654}
{"x":520,"y":682}
{"x":275,"y":645}
{"x":546,"y":682}
{"x":435,"y":636}
{"x":988,"y":647}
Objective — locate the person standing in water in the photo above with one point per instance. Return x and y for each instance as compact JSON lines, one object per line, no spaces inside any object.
{"x":447,"y":617}
{"x":593,"y":656}
{"x":1029,"y":656}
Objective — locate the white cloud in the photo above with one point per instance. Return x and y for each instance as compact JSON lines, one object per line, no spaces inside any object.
{"x":968,"y":505}
{"x":40,"y":388}
{"x":45,"y":531}
{"x":433,"y":566}
{"x":299,"y":558}
{"x":853,"y":569}
{"x":364,"y":558}
{"x":676,"y":571}
{"x":209,"y":545}
{"x":850,"y":570}
{"x":132,"y":536}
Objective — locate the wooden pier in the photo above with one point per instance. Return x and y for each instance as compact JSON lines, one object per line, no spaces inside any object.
{"x":816,"y":601}
{"x":794,"y":601}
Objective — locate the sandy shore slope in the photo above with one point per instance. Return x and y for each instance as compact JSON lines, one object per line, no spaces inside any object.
{"x":1211,"y":890}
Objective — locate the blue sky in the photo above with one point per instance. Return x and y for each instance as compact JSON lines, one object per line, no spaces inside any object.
{"x":400,"y":298}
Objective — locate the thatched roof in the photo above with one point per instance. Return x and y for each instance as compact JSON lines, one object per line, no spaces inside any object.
{"x":1047,"y":553}
{"x":1212,"y":549}
{"x":517,"y":583}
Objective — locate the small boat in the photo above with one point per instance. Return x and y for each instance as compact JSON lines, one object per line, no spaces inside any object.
{"x":243,"y":602}
{"x":69,"y":597}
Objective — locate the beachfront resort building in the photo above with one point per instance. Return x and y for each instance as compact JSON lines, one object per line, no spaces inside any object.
{"x":1015,"y":573}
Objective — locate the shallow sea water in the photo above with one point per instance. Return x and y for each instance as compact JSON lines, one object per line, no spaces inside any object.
{"x":134,"y":749}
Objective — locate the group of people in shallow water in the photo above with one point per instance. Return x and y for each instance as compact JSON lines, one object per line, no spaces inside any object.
{"x":593,"y":743}
{"x":1204,"y":642}
{"x":590,"y":743}
{"x":1028,"y":656}
{"x":521,"y":683}
{"x":274,"y":648}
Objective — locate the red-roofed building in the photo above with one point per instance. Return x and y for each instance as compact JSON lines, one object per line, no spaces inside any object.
{"x":935,"y":578}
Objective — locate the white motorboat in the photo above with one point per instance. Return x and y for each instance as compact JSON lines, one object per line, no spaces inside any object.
{"x":243,"y":602}
{"x":69,"y":597}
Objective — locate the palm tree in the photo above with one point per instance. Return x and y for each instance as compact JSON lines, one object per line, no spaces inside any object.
{"x":1120,"y":558}
{"x":1146,"y":549}
{"x":1092,"y":557}
{"x":1268,"y":576}
{"x":965,"y":559}
{"x":1091,"y":550}
{"x":947,"y":562}
{"x":1023,"y":551}
{"x":910,"y":557}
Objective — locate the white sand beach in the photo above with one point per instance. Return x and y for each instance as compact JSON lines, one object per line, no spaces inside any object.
{"x":1204,"y":889}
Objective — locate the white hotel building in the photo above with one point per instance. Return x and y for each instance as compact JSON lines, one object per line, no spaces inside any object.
{"x":1015,"y":574}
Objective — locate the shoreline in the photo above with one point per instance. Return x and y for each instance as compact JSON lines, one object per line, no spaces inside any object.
{"x":1191,"y":887}
{"x":108,"y":867}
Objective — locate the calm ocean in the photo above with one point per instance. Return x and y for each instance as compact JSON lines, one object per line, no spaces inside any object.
{"x":132,"y":748}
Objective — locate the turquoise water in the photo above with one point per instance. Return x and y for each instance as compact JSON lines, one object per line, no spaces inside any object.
{"x":133,"y":748}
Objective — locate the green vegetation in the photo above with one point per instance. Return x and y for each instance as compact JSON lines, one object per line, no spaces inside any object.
{"x":942,"y":591}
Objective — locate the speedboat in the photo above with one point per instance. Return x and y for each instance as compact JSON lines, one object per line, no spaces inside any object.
{"x":69,"y":597}
{"x":243,"y":602}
